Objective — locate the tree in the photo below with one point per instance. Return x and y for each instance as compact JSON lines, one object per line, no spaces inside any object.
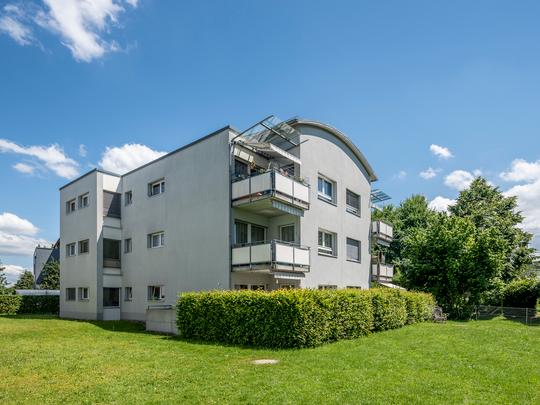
{"x":452,"y":260}
{"x":4,"y":284}
{"x":25,"y":281}
{"x":50,"y":276}
{"x":488,"y":208}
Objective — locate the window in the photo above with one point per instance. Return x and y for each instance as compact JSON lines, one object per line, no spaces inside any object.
{"x":326,"y":189}
{"x":156,"y":292}
{"x":128,"y":293}
{"x":83,"y":294}
{"x":353,"y":250}
{"x":353,"y":202}
{"x":128,"y":198}
{"x":111,"y":204}
{"x":240,"y":169}
{"x":84,"y":200}
{"x":327,"y":287}
{"x":156,"y":240}
{"x":70,"y":294}
{"x":254,"y":287}
{"x":127,"y":245}
{"x":70,"y":250}
{"x":248,"y":233}
{"x":111,"y":297}
{"x":156,"y":188}
{"x":257,"y":234}
{"x":327,"y":243}
{"x":70,"y":206}
{"x":240,"y":233}
{"x":111,"y":253}
{"x":287,"y":233}
{"x":83,"y":246}
{"x":353,"y":287}
{"x":241,"y":286}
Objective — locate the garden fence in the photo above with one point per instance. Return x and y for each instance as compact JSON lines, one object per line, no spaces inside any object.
{"x":528,"y":316}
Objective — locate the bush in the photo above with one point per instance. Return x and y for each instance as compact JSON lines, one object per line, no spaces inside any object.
{"x":296,"y":318}
{"x":521,"y":294}
{"x":29,"y":304}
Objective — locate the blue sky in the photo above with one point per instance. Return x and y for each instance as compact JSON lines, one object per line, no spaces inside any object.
{"x":418,"y":85}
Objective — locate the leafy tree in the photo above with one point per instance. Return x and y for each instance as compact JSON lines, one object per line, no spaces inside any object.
{"x":488,"y":208}
{"x":50,"y":276}
{"x":4,"y":284}
{"x":453,"y":261}
{"x":25,"y":281}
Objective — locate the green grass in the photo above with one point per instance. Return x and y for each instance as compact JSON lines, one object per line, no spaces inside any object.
{"x":47,"y":360}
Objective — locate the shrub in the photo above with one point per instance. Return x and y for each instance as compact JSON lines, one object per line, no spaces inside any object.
{"x":296,"y":318}
{"x":29,"y":304}
{"x":521,"y":293}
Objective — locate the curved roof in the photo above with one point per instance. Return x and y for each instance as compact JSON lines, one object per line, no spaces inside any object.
{"x":341,"y":136}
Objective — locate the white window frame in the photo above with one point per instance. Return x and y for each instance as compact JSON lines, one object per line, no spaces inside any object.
{"x":281,"y":232}
{"x":72,"y":290}
{"x":84,"y":200}
{"x":324,"y":249}
{"x":331,"y":198}
{"x":128,"y":245}
{"x":359,"y":250}
{"x":128,"y":293}
{"x":352,"y":210}
{"x":128,"y":198}
{"x":249,"y":239}
{"x":84,"y":294}
{"x":156,"y":292}
{"x":81,"y":244}
{"x":160,"y":189}
{"x":70,"y":206}
{"x":328,"y":287}
{"x":160,"y":240}
{"x":71,"y":250}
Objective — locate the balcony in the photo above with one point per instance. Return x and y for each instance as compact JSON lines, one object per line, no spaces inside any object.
{"x":382,"y":272}
{"x":275,"y":255}
{"x":271,"y":194}
{"x":382,"y":232}
{"x":112,"y":263}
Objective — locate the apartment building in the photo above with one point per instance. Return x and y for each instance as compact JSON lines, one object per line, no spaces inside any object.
{"x":281,"y":205}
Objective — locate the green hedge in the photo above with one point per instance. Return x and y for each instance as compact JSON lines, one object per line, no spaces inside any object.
{"x":296,"y":318}
{"x":521,"y":294}
{"x":29,"y":304}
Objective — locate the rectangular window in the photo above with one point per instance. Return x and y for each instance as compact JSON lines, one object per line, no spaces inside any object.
{"x":240,"y":233}
{"x":240,"y":170}
{"x":353,"y":287}
{"x":83,"y":294}
{"x":128,"y":197}
{"x":83,"y":246}
{"x":327,"y":243}
{"x":257,"y":234}
{"x":258,"y":287}
{"x":111,"y":204}
{"x":327,"y":287}
{"x":111,"y":297}
{"x":70,"y":250}
{"x":70,"y":294}
{"x":156,"y":292}
{"x":287,"y":233}
{"x":353,"y":250}
{"x":353,"y":202}
{"x":70,"y":206}
{"x":156,"y":188}
{"x":128,"y":245}
{"x":83,"y":201}
{"x":156,"y":240}
{"x":240,"y":286}
{"x":128,"y":293}
{"x":326,"y":189}
{"x":111,"y":253}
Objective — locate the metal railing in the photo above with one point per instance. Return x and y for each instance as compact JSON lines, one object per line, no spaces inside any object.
{"x":529,"y":316}
{"x":273,"y":253}
{"x":112,"y":263}
{"x":164,"y":306}
{"x":382,"y":230}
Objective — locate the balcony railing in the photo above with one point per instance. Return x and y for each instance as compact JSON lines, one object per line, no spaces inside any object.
{"x":271,"y":184}
{"x":382,"y":232}
{"x":382,"y":272}
{"x":272,"y":255}
{"x":112,"y":263}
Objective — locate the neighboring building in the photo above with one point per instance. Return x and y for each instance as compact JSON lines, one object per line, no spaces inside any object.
{"x":42,"y":256}
{"x":281,"y":205}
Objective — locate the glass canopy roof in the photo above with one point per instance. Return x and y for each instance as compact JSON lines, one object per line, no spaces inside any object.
{"x":272,"y":130}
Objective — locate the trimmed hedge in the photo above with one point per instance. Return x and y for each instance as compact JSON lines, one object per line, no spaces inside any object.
{"x":29,"y":304}
{"x":521,"y":294}
{"x":296,"y":318}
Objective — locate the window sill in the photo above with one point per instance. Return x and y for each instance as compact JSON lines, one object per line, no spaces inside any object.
{"x":326,"y":201}
{"x":154,"y":195}
{"x":70,"y":212}
{"x":71,"y":256}
{"x":83,"y":253}
{"x":84,"y":206}
{"x":160,"y":299}
{"x":128,"y":300}
{"x":130,"y":251}
{"x":327,"y":255}
{"x":156,"y":247}
{"x":84,"y":300}
{"x":354,"y":261}
{"x":354,"y":213}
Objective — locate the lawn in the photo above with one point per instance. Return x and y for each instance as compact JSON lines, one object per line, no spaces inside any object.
{"x":47,"y":360}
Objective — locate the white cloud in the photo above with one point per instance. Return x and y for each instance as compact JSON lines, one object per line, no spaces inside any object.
{"x":441,"y":204}
{"x":13,"y":272}
{"x":401,"y":175}
{"x":53,"y":157}
{"x":522,"y":171}
{"x":459,"y":179}
{"x":24,"y":168}
{"x":11,"y":223}
{"x":128,"y":157}
{"x":442,"y":153}
{"x":477,"y":173}
{"x":82,"y":150}
{"x":19,"y":245}
{"x":429,"y":173}
{"x":81,"y":24}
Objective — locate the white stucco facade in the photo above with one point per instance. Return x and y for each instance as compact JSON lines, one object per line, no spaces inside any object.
{"x":220,"y":213}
